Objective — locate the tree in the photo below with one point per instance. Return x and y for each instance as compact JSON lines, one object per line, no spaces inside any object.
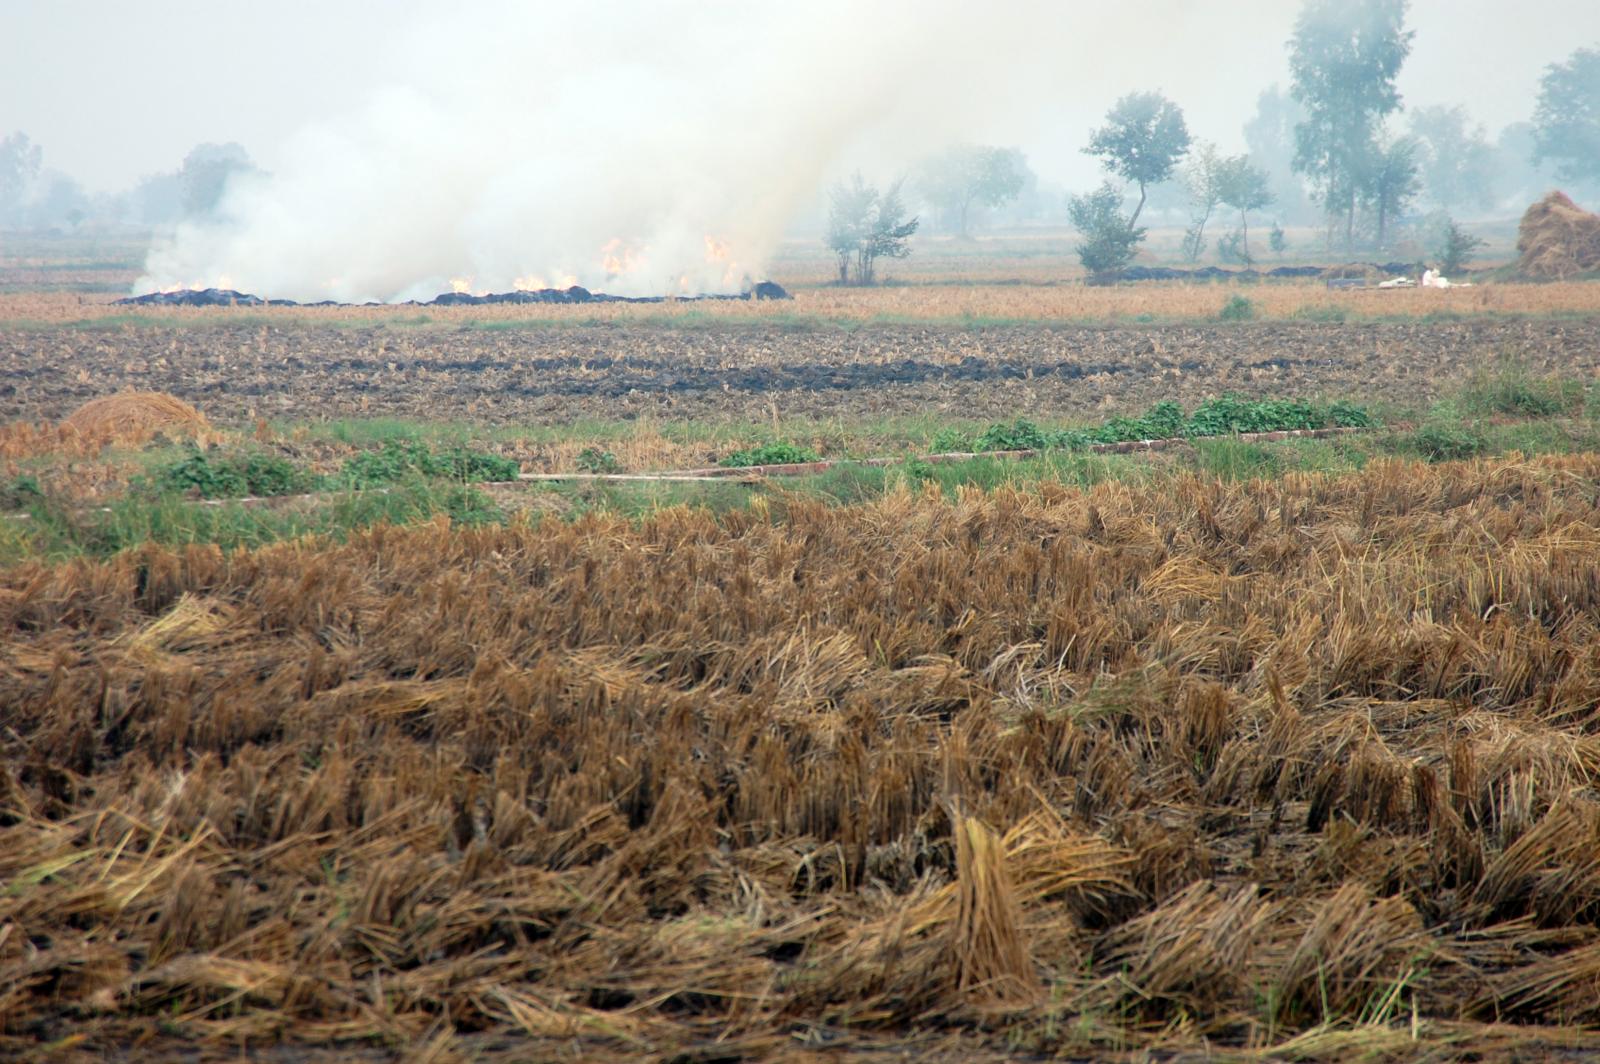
{"x":971,"y":174}
{"x":1245,"y":188}
{"x":1200,"y":180}
{"x":1390,"y":181}
{"x":1344,"y":57}
{"x":1110,"y":240}
{"x":19,"y":165}
{"x":60,"y":199}
{"x":1142,"y":141}
{"x":205,"y":174}
{"x":1566,"y":119}
{"x":1270,"y":138}
{"x":1457,"y":163}
{"x":865,"y":225}
{"x":1454,"y":246}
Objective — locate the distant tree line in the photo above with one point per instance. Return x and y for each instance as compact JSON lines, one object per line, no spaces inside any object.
{"x":34,"y":196}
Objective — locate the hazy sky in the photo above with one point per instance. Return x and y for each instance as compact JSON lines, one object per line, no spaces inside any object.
{"x":115,"y":89}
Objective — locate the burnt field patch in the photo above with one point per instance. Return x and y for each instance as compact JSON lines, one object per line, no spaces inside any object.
{"x":556,"y":374}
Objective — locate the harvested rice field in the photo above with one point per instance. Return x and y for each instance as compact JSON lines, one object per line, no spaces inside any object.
{"x":545,"y":376}
{"x":1247,"y":750}
{"x":1294,"y":768}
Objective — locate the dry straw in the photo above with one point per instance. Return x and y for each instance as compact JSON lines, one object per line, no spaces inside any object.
{"x":1300,"y":767}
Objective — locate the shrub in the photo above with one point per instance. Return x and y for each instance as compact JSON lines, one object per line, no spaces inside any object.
{"x":951,"y":439}
{"x":401,"y":458}
{"x":1110,"y":242}
{"x":1510,"y":389}
{"x":1445,"y":442}
{"x":770,"y":454}
{"x":216,"y":475}
{"x":20,"y":492}
{"x":1020,"y":435}
{"x":1238,"y":308}
{"x":594,"y":460}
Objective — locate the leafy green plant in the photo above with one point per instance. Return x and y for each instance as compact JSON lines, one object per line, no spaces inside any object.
{"x":1238,"y":308}
{"x":770,"y":454}
{"x":595,"y":460}
{"x":400,"y":458}
{"x":20,"y":492}
{"x":222,"y":475}
{"x":1020,"y":435}
{"x":1444,"y":441}
{"x":950,"y":439}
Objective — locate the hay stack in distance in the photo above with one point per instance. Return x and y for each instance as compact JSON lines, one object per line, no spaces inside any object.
{"x":1558,"y":239}
{"x":132,"y":418}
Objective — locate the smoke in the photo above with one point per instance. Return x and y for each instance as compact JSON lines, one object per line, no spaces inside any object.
{"x":634,"y":149}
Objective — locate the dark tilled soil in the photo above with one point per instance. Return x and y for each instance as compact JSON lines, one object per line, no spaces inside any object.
{"x":561,"y":374}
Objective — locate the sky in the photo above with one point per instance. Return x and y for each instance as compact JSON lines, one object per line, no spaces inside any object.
{"x":637,"y":146}
{"x":115,"y":90}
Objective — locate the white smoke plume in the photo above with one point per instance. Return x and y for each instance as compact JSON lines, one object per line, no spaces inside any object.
{"x":637,"y":149}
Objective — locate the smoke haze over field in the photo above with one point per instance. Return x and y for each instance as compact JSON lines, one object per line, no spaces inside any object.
{"x":526,"y":158}
{"x":639,"y":148}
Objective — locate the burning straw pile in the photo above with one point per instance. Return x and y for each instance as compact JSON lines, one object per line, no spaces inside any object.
{"x":1558,"y":239}
{"x":1304,"y":766}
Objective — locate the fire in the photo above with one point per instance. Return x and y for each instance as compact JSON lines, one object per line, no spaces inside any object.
{"x":461,"y":284}
{"x":619,"y":257}
{"x":720,"y":252}
{"x":529,"y":283}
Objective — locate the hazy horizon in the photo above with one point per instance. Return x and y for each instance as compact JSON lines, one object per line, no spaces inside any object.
{"x":646,"y":147}
{"x":116,"y":92}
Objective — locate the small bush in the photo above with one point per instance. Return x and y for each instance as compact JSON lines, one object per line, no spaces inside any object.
{"x":951,"y":439}
{"x":20,"y":492}
{"x":594,"y":460}
{"x":1237,"y":309}
{"x":1446,"y":442}
{"x":402,"y":458}
{"x":1511,"y":390}
{"x":217,"y":475}
{"x":1230,"y":249}
{"x":1020,"y":435}
{"x":770,"y":454}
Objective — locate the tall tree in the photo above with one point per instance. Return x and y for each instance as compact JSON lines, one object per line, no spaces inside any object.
{"x":969,"y":175}
{"x":1566,"y":119}
{"x":1344,"y":57}
{"x":1269,"y":134}
{"x":1142,"y":141}
{"x":19,"y":165}
{"x":1456,"y":160}
{"x":205,"y":174}
{"x":1245,"y":188}
{"x":1201,"y":174}
{"x":1390,"y":182}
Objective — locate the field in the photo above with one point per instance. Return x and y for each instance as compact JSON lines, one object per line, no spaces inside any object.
{"x":1249,"y":750}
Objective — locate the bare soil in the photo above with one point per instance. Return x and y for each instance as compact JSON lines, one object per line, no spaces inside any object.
{"x":561,"y":374}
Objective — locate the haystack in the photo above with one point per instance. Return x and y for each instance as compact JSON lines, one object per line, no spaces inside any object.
{"x":1558,"y":239}
{"x":131,"y":418}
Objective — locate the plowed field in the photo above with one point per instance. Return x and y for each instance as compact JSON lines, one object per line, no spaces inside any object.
{"x":550,"y":374}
